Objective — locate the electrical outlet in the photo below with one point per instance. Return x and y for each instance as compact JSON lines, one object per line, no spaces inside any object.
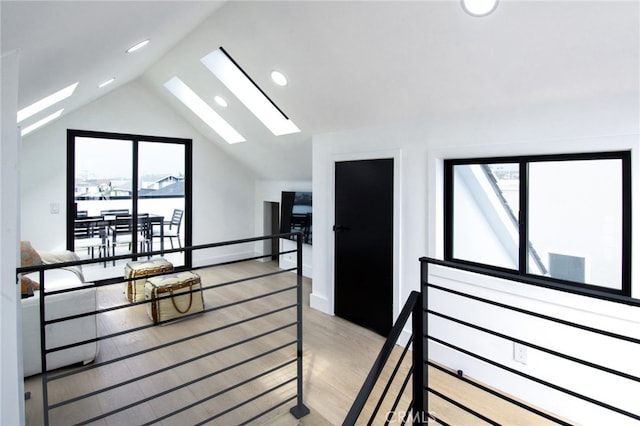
{"x":519,"y":353}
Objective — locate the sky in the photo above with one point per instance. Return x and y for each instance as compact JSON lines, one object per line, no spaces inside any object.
{"x":111,"y":158}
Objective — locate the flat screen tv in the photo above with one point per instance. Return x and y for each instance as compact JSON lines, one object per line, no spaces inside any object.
{"x":295,"y":214}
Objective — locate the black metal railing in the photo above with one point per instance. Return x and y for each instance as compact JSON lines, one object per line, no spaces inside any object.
{"x":366,"y":408}
{"x":615,"y":413}
{"x":414,"y":370}
{"x":239,"y":362}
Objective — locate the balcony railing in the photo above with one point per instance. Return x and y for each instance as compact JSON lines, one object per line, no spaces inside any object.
{"x":237,"y":361}
{"x":419,"y":365}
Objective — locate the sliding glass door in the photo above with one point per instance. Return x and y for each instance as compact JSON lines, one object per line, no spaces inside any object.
{"x":128,"y":195}
{"x":161,"y":192}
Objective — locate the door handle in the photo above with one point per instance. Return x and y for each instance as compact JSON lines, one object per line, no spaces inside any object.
{"x":338,"y":228}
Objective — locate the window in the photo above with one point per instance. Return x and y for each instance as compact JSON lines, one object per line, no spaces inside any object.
{"x":143,"y":177}
{"x":565,"y":219}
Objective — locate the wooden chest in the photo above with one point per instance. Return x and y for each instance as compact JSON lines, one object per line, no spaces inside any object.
{"x":134,"y":289}
{"x":173,"y":296}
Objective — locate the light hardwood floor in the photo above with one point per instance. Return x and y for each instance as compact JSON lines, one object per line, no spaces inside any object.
{"x":337,"y":357}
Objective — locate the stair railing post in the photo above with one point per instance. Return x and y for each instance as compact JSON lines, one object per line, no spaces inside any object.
{"x":43,"y":351}
{"x":419,"y":367}
{"x":300,"y":410}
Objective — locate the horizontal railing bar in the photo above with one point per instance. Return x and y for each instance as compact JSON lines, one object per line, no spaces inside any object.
{"x":201,"y":247}
{"x":538,"y":347}
{"x":170,"y":367}
{"x":223,"y":391}
{"x":144,"y":302}
{"x":242,"y":241}
{"x":120,"y":280}
{"x":499,"y":395}
{"x":225,"y":263}
{"x":538,"y":315}
{"x":463,"y":407}
{"x":437,"y":420}
{"x":118,"y":307}
{"x":164,"y":345}
{"x":64,"y":290}
{"x":250,"y":278}
{"x":531,"y":280}
{"x":392,"y":376}
{"x":381,"y":360}
{"x":537,"y":380}
{"x":123,"y":332}
{"x":398,"y":396}
{"x":144,"y":327}
{"x":157,"y":395}
{"x":244,"y":259}
{"x":44,"y":267}
{"x":252,"y":299}
{"x":270,"y":409}
{"x":242,"y":404}
{"x":240,"y":302}
{"x":102,"y":283}
{"x":241,"y":280}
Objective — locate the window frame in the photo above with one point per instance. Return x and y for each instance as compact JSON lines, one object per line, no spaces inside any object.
{"x":521,"y":272}
{"x":135,"y":139}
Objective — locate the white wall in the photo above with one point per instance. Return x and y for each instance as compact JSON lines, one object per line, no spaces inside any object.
{"x":406,"y":145}
{"x":11,"y":396}
{"x":223,"y":189}
{"x":271,"y":191}
{"x":591,"y":125}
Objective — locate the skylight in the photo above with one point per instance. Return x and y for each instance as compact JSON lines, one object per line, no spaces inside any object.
{"x":200,"y":108}
{"x":237,"y":81}
{"x":45,"y":103}
{"x":42,"y":122}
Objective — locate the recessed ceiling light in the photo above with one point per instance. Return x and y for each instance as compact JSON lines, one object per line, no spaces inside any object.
{"x":220,"y":101}
{"x":46,"y":102}
{"x":41,"y":123}
{"x":479,"y":7}
{"x":105,"y":83}
{"x":279,"y":78}
{"x":239,"y":83}
{"x":200,"y":108}
{"x":138,"y":46}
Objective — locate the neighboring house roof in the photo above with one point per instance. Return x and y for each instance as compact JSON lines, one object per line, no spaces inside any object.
{"x":175,"y":189}
{"x":165,"y":181}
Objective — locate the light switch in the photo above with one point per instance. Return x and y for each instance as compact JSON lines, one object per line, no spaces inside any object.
{"x":54,"y":208}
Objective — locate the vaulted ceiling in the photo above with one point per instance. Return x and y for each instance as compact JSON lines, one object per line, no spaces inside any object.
{"x":349,"y":64}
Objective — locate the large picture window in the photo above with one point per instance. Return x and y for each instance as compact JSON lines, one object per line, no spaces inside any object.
{"x":562,"y":218}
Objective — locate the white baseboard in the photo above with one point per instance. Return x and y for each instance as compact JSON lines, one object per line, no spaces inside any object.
{"x":320,"y":303}
{"x":285,"y":262}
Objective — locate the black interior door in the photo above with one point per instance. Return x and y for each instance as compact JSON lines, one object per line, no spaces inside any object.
{"x":364,"y":243}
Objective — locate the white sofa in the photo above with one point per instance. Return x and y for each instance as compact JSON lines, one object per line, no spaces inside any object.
{"x":59,"y":306}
